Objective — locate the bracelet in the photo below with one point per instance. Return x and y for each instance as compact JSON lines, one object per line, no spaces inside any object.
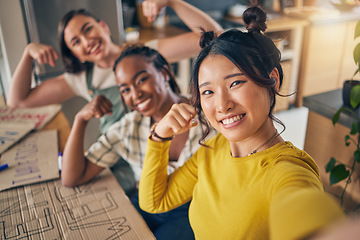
{"x":152,"y":130}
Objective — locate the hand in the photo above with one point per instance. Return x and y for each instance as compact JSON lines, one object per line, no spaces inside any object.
{"x":97,"y":108}
{"x":179,"y":119}
{"x":152,"y":8}
{"x":43,"y":54}
{"x":348,"y":229}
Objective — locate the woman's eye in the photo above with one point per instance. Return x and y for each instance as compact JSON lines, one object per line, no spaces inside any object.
{"x":88,"y":29}
{"x":141,"y":80}
{"x":206,"y":92}
{"x":124,"y":90}
{"x":235,"y":83}
{"x":75,"y":42}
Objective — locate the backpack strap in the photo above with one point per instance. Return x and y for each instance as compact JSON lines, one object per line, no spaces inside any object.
{"x":89,"y":77}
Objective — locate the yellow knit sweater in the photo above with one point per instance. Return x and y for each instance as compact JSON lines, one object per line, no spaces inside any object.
{"x":273,"y":194}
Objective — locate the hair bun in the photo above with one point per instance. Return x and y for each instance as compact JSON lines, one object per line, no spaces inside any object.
{"x":255,"y":19}
{"x":206,"y":38}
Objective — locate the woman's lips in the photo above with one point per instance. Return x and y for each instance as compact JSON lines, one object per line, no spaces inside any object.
{"x":143,"y":105}
{"x":232,"y":119}
{"x":94,"y":48}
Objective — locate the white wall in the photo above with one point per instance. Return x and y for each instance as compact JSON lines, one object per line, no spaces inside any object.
{"x":12,"y":38}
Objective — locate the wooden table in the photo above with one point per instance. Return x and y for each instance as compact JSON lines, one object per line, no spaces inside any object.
{"x":48,"y":210}
{"x":148,"y":34}
{"x":62,"y":125}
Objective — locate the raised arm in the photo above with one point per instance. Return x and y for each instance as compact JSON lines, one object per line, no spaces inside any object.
{"x":53,"y":90}
{"x":157,"y":193}
{"x":184,"y":45}
{"x":76,"y":169}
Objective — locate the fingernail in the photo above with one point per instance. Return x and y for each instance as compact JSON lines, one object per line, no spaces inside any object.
{"x":193,"y":122}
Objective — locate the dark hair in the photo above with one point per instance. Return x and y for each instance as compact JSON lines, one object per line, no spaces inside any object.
{"x":72,"y":63}
{"x":151,"y":56}
{"x":252,"y":52}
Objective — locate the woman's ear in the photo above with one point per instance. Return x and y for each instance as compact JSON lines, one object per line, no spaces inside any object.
{"x":275,"y":75}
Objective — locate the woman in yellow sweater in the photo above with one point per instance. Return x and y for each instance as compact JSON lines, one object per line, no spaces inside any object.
{"x":246,"y":182}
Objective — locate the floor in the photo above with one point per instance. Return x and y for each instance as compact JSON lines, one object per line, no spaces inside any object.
{"x":295,"y":121}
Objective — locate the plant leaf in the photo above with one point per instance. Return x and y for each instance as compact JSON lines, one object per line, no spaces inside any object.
{"x":355,"y":96}
{"x":357,"y":70}
{"x":354,"y":128}
{"x":356,"y":54}
{"x":347,"y":140}
{"x":357,"y":156}
{"x":336,"y":116}
{"x":338,"y":174}
{"x":357,"y":30}
{"x":330,"y":165}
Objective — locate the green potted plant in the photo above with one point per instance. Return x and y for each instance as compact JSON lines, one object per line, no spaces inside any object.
{"x":337,"y":170}
{"x":349,"y":84}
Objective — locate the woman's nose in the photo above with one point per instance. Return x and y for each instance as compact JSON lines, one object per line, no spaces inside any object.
{"x":224,"y":103}
{"x":85,"y":41}
{"x":136,"y":94}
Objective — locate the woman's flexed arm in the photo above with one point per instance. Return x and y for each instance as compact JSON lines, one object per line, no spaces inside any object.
{"x":53,"y":90}
{"x":193,"y":17}
{"x":76,"y":169}
{"x":157,"y":191}
{"x":185,"y":45}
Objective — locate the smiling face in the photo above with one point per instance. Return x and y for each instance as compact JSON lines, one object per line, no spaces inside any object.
{"x":87,"y":39}
{"x":234,"y":105}
{"x":142,"y":86}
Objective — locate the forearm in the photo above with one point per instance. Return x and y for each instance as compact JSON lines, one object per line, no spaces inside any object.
{"x":153,"y":182}
{"x":159,"y":192}
{"x":187,"y":45}
{"x":193,"y":17}
{"x":74,"y":162}
{"x":20,"y":85}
